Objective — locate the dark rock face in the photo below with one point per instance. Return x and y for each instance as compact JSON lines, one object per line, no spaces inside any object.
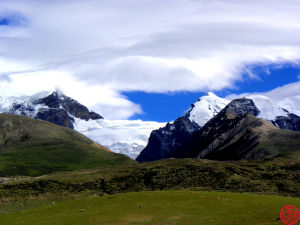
{"x":178,"y":140}
{"x":76,"y":109}
{"x":242,"y":106}
{"x":164,"y":141}
{"x":57,"y":116}
{"x":94,"y":116}
{"x":290,"y":122}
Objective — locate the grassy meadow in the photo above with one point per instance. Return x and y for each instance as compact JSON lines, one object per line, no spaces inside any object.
{"x":158,"y":207}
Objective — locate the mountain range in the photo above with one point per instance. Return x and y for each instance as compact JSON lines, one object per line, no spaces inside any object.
{"x":130,"y":137}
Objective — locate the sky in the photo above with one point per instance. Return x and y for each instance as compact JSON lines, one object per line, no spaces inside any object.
{"x":149,"y":59}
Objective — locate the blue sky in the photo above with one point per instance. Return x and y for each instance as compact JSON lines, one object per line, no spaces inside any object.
{"x":167,"y":107}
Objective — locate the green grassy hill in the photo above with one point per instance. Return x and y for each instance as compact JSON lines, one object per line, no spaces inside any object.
{"x":164,"y":207}
{"x":34,"y":147}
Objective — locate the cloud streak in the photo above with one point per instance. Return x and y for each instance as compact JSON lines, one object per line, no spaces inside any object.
{"x":144,"y":45}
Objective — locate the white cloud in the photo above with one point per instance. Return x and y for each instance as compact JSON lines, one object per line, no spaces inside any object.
{"x":96,"y":49}
{"x":277,"y":94}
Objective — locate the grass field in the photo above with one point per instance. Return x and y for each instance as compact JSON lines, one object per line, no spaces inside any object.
{"x":159,"y":207}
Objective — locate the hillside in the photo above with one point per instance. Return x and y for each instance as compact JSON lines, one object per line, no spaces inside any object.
{"x":35,"y":147}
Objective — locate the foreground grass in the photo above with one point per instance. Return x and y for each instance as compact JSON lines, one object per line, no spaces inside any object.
{"x":159,"y":207}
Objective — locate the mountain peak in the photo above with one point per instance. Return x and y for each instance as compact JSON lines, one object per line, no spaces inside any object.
{"x":211,"y":94}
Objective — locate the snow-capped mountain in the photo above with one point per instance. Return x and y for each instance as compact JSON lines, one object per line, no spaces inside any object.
{"x":128,"y":137}
{"x":206,"y":108}
{"x":235,"y":133}
{"x":56,"y":108}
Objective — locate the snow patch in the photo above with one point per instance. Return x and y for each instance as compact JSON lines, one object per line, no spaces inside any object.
{"x":268,"y":109}
{"x":206,"y":108}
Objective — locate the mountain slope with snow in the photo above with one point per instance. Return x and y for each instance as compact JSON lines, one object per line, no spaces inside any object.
{"x":56,"y":108}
